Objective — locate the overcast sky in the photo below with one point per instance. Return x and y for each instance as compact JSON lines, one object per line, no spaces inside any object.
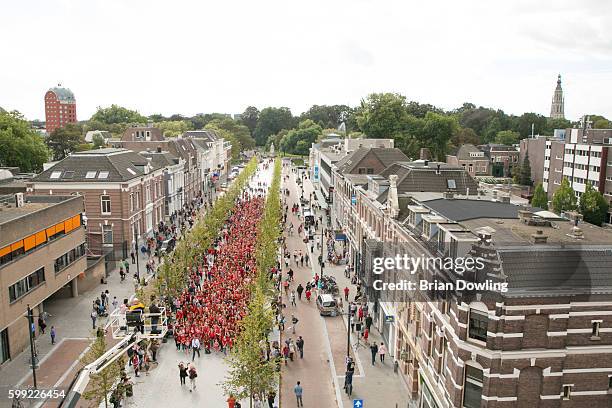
{"x":221,"y":56}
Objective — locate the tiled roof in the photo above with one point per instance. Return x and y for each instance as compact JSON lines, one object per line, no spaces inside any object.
{"x":557,"y":269}
{"x":202,"y":134}
{"x":464,"y":209}
{"x":416,"y":177}
{"x":386,"y":156}
{"x":463,"y":153}
{"x":121,"y":165}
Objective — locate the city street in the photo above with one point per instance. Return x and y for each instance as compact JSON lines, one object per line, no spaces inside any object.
{"x":322,"y":370}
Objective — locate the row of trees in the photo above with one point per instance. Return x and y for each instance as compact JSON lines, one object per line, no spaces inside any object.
{"x":592,"y":204}
{"x":251,"y":373}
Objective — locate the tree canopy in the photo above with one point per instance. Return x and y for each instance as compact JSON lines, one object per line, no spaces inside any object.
{"x":299,"y":140}
{"x":65,"y":140}
{"x":593,"y":205}
{"x":117,"y":114}
{"x":507,"y":137}
{"x":539,"y":198}
{"x":173,"y":128}
{"x":21,"y":146}
{"x":249,"y":117}
{"x":564,"y":199}
{"x":271,"y":121}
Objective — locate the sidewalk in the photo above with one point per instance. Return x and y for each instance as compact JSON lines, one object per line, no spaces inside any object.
{"x":377,"y":385}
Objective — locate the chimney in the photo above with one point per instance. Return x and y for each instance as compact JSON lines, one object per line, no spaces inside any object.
{"x":448,"y":195}
{"x":19,"y":201}
{"x":539,"y":237}
{"x":505,"y":199}
{"x":424,"y":153}
{"x":148,"y":167}
{"x":159,"y":150}
{"x":426,"y":164}
{"x":392,"y":196}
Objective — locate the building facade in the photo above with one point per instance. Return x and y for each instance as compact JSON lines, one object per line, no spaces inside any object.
{"x":42,"y":249}
{"x":582,"y":156}
{"x":502,"y":159}
{"x":123,"y":193}
{"x":60,"y":108}
{"x":474,"y":160}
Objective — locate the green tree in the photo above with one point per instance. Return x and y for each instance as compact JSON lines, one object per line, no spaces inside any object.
{"x":382,"y":115}
{"x":64,"y":140}
{"x":437,"y":132}
{"x":327,"y":116}
{"x":552,"y":124}
{"x":98,"y":141}
{"x":465,"y":136}
{"x":539,"y":199}
{"x":526,"y":120}
{"x":117,"y":114}
{"x":564,"y":199}
{"x":101,"y":384}
{"x":21,"y":146}
{"x":299,"y":140}
{"x":593,"y":205}
{"x":270,"y":122}
{"x":507,"y":137}
{"x":240,"y":131}
{"x":525,"y":173}
{"x":173,"y":128}
{"x":420,"y":109}
{"x":249,"y":117}
{"x":228,"y":136}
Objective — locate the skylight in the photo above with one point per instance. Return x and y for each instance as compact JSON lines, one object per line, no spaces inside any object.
{"x":132,"y":172}
{"x":451,"y":184}
{"x":103,"y":175}
{"x":69,"y":174}
{"x":55,"y":175}
{"x":90,"y":174}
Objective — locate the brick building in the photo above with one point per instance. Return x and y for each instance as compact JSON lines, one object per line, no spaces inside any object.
{"x":42,"y":249}
{"x":502,"y":159}
{"x":123,"y":192}
{"x":581,"y":155}
{"x":60,"y":108}
{"x":471,"y":158}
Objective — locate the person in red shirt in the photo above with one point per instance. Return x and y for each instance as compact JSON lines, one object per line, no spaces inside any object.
{"x":231,"y":401}
{"x":346,"y":292}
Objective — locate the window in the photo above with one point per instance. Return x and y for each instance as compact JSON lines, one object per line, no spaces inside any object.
{"x":610,"y":382}
{"x":473,"y":380}
{"x":106,"y":204}
{"x":443,"y":357}
{"x":27,"y":284}
{"x":107,"y":234}
{"x":362,"y":170}
{"x":5,"y":351}
{"x":131,"y":201}
{"x":103,"y":175}
{"x":68,"y":258}
{"x":370,"y":171}
{"x":69,"y":174}
{"x":91,"y":174}
{"x":478,"y":322}
{"x":567,"y":391}
{"x":451,"y":184}
{"x":148,"y":193}
{"x":55,"y":174}
{"x":595,"y":328}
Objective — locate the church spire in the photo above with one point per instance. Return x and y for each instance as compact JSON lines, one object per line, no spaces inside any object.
{"x":557,"y":107}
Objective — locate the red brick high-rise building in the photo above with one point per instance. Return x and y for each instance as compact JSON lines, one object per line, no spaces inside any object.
{"x":60,"y":108}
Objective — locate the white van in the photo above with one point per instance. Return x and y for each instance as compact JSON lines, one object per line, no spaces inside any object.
{"x":327,"y":305}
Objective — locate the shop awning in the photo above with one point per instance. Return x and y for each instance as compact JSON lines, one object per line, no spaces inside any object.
{"x":321,"y":199}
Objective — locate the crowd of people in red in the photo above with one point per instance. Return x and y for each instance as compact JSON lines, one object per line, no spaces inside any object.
{"x":215,"y":300}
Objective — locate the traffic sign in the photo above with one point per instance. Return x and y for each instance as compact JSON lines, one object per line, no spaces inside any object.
{"x":389,"y":319}
{"x":357,"y":403}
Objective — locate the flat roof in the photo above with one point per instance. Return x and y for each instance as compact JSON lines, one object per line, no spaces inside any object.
{"x":32,"y":204}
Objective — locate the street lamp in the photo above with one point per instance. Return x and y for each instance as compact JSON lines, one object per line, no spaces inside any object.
{"x":135,"y":246}
{"x":30,"y":318}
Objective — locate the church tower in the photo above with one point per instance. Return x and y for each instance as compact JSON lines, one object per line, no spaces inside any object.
{"x":556,"y":108}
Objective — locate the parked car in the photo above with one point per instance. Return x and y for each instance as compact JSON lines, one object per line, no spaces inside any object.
{"x":327,"y":305}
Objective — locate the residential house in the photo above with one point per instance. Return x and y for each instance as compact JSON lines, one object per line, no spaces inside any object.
{"x":470,"y":157}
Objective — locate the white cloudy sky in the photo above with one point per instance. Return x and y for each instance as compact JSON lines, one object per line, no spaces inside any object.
{"x":187,"y":57}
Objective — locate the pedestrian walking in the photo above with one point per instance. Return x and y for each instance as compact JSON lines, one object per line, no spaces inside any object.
{"x":293,"y":298}
{"x":94,"y":316}
{"x":382,"y":350}
{"x":294,"y":322}
{"x":182,"y":372}
{"x":374,"y":351}
{"x":52,"y":333}
{"x":193,"y":374}
{"x":195,"y":345}
{"x":115,"y":302}
{"x":300,"y":289}
{"x":368,"y":322}
{"x":300,"y":345}
{"x":271,"y":398}
{"x":299,"y":392}
{"x":366,"y":334}
{"x":346,"y":292}
{"x":231,"y":402}
{"x":41,"y":324}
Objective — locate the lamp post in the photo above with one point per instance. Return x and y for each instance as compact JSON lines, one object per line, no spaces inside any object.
{"x":348,"y":330}
{"x":135,"y":245}
{"x":30,"y":318}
